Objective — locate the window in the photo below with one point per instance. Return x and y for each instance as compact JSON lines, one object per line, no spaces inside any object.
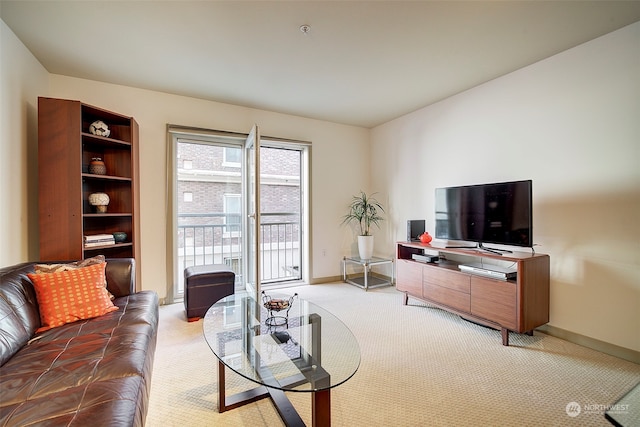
{"x":231,"y":157}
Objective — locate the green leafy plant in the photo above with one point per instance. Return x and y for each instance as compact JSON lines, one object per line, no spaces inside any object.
{"x":364,"y":210}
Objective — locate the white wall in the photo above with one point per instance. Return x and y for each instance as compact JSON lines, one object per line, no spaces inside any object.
{"x":572,"y":124}
{"x":334,"y":177}
{"x":22,"y":79}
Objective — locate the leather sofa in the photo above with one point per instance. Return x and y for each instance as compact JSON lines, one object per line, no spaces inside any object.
{"x":89,"y":372}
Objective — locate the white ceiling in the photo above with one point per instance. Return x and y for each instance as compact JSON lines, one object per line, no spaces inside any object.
{"x":362,"y":63}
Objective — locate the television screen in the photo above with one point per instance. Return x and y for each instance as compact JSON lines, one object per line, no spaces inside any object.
{"x":499,"y":213}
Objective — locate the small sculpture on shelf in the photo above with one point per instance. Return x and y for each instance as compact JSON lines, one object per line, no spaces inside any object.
{"x":97,"y":166}
{"x":100,"y":201}
{"x":277,"y":305}
{"x":99,"y":128}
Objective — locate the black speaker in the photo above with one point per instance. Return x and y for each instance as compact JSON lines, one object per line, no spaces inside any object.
{"x":415,"y":227}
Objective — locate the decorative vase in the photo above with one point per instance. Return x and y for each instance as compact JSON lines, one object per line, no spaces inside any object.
{"x":365,"y":247}
{"x":97,"y":166}
{"x":100,"y":201}
{"x":120,"y":236}
{"x":425,"y":237}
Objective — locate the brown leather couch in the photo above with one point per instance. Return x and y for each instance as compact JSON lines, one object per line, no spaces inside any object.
{"x":90,"y":372}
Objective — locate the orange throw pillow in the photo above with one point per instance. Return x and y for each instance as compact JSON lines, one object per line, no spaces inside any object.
{"x":68,"y":296}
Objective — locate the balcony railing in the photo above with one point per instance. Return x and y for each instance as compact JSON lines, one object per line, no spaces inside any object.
{"x":216,"y":238}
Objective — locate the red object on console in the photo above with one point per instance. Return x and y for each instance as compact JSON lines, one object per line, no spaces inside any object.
{"x":425,"y":237}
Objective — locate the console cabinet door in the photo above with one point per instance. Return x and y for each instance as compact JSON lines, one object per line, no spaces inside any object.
{"x":494,"y":300}
{"x":409,"y":277}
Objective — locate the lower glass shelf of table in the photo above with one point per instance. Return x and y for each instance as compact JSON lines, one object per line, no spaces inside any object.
{"x":365,"y":277}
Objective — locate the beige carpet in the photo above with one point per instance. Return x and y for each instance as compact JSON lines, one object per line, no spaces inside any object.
{"x":420,"y":366}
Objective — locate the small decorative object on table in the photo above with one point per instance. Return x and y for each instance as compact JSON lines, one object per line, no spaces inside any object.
{"x":277,"y":305}
{"x":120,"y":236}
{"x":99,"y":128}
{"x":97,"y":166}
{"x":425,"y":237}
{"x":100,"y":201}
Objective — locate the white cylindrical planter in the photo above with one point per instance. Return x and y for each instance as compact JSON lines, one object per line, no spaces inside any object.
{"x":365,"y":247}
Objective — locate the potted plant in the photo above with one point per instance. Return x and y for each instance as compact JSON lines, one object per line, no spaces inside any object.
{"x":365,"y":211}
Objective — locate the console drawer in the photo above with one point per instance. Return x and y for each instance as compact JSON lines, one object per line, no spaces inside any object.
{"x":446,"y":278}
{"x":445,"y":296}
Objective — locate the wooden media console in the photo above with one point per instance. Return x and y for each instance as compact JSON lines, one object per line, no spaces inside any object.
{"x":518,"y":305}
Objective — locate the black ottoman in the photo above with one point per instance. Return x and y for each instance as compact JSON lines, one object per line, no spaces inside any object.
{"x":204,"y":285}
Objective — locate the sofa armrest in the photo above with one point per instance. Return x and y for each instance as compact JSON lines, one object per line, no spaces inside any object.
{"x":121,"y":273}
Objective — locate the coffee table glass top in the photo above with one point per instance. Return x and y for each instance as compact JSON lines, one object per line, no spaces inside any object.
{"x":371,"y":261}
{"x":306,"y":349}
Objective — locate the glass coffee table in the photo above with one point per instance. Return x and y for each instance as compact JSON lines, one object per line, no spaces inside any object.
{"x":309,"y":351}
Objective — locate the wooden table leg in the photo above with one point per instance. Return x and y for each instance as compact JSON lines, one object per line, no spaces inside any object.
{"x":239,"y":399}
{"x":321,"y":408}
{"x":505,"y":336}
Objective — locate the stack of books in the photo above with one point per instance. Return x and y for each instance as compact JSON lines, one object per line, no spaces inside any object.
{"x":99,"y":240}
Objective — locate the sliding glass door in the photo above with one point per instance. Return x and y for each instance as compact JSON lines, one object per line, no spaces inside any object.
{"x":239,"y":201}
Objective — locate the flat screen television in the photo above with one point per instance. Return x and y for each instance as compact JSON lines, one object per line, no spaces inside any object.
{"x":498,"y":213}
